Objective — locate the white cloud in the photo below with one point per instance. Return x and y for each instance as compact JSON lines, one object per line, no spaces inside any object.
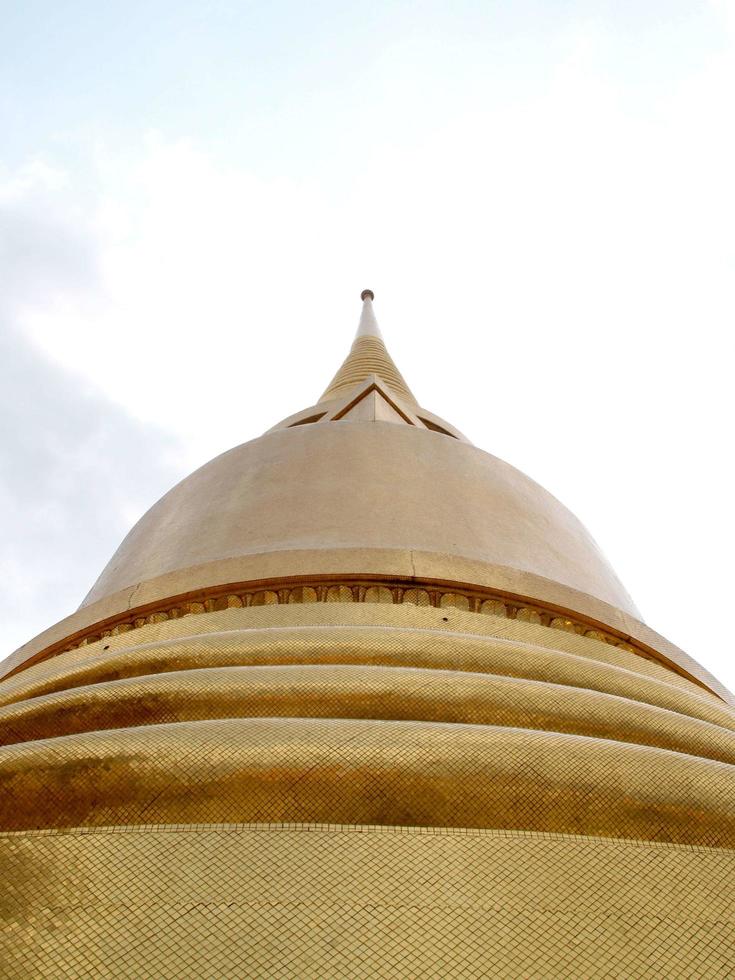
{"x":75,"y":470}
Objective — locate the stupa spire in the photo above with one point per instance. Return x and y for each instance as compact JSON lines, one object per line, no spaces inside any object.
{"x":368,"y":325}
{"x":367,"y":356}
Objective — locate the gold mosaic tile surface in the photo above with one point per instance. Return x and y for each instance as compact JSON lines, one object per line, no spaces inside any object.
{"x":315,"y":901}
{"x":301,"y":791}
{"x":366,"y":771}
{"x":482,"y":601}
{"x":378,"y":692}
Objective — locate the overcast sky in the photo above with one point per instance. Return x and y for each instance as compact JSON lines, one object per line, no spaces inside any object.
{"x":541,"y":194}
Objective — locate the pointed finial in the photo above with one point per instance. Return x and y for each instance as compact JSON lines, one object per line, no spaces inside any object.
{"x":368,"y":326}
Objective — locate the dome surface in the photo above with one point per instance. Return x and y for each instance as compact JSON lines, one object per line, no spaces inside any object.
{"x":361,"y":485}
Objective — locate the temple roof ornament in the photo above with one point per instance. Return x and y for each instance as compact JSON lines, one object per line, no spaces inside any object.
{"x":367,"y":356}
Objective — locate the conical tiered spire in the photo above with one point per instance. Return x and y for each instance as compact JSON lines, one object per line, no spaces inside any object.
{"x":367,"y":357}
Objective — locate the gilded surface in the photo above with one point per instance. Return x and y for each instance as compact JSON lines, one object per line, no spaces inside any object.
{"x":330,"y":789}
{"x":368,"y":356}
{"x":317,"y":901}
{"x":341,"y":776}
{"x":418,"y":593}
{"x":364,"y":486}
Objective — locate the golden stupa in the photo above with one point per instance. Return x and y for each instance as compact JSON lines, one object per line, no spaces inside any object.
{"x":357,"y":699}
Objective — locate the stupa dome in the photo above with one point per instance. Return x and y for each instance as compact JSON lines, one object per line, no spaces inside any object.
{"x":363,"y":478}
{"x":366,"y":475}
{"x":359,"y":699}
{"x":363,"y":486}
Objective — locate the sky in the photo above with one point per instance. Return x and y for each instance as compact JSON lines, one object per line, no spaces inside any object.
{"x":541,"y":195}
